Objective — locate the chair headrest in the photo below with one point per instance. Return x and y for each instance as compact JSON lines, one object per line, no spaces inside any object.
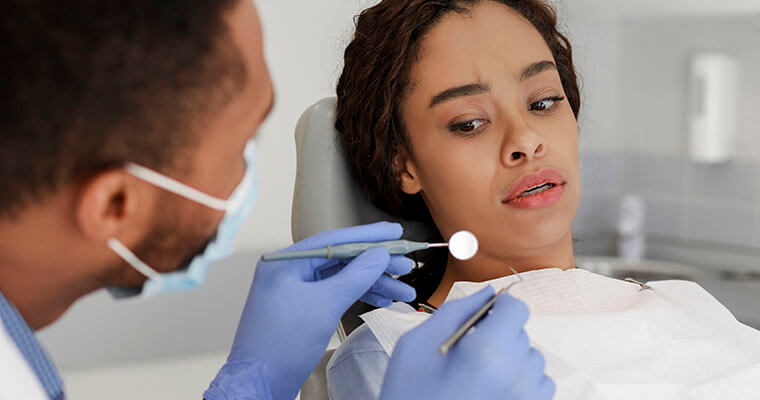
{"x":326,"y":196}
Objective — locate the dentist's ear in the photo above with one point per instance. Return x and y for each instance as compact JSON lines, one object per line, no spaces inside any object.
{"x":406,"y":169}
{"x":107,"y":204}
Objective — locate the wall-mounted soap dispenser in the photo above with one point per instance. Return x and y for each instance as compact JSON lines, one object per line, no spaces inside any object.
{"x":712,"y":115}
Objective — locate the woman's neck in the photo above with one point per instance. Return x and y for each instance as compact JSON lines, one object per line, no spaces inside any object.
{"x":484,"y":267}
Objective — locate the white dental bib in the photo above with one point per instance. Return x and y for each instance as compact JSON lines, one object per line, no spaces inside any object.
{"x":604,"y":338}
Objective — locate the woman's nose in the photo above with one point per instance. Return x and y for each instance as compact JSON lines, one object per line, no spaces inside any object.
{"x":522,"y":144}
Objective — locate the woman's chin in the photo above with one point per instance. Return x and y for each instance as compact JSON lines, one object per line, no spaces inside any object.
{"x":538,"y":231}
{"x":533,"y":243}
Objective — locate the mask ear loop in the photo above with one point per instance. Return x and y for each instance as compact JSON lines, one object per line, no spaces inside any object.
{"x":238,"y":196}
{"x":130,"y":257}
{"x":176,"y":187}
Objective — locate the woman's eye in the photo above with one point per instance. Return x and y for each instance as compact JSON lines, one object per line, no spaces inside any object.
{"x":467,"y":126}
{"x":546,"y":104}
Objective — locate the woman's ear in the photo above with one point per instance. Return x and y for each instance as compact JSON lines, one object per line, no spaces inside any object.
{"x":407,"y":170}
{"x":108,"y":204}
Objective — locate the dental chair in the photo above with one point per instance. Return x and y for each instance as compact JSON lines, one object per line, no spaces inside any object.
{"x":327,"y":197}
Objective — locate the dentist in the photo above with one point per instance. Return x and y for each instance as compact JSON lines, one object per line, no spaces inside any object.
{"x":126,"y":163}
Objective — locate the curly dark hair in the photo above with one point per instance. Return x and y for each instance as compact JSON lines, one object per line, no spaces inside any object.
{"x":373,"y":85}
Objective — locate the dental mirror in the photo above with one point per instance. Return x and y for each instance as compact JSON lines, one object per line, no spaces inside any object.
{"x":463,"y":245}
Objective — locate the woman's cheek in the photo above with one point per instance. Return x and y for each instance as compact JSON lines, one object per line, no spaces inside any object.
{"x":456,"y":183}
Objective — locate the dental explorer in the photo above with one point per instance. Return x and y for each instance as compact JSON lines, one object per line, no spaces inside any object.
{"x":462,"y":245}
{"x":459,"y":333}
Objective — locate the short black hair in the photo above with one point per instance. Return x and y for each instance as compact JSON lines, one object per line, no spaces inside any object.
{"x":92,"y":84}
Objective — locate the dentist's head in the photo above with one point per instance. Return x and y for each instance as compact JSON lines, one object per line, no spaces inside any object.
{"x":124,"y":145}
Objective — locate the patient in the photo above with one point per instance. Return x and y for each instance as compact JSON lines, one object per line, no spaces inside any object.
{"x":464,"y":114}
{"x":454,"y":110}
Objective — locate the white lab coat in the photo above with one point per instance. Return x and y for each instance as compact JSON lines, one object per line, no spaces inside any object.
{"x":17,"y":379}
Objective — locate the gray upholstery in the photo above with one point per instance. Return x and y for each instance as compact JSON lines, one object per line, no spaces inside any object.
{"x":325,"y":194}
{"x":326,"y":197}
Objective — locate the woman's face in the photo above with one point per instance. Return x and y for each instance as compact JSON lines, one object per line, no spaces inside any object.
{"x":487,"y":119}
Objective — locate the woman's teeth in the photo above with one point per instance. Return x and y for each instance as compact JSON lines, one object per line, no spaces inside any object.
{"x":537,"y":189}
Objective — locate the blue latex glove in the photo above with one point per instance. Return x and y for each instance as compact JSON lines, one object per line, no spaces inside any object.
{"x":495,"y":361}
{"x":292,"y":311}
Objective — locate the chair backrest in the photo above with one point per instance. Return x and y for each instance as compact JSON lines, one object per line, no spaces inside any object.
{"x":326,"y":196}
{"x":315,"y":387}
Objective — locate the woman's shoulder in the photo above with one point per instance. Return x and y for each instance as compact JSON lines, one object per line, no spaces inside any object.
{"x":361,"y":348}
{"x":356,"y":368}
{"x":360,"y":341}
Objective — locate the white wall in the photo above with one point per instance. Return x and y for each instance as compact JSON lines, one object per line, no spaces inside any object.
{"x":632,"y":58}
{"x":304,"y":46}
{"x":630,"y":8}
{"x":596,"y":53}
{"x":177,"y":378}
{"x":655,"y":76}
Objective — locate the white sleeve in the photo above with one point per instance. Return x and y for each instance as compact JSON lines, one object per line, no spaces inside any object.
{"x":17,"y":380}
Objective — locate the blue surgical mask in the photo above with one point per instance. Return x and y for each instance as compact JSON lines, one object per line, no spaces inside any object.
{"x":236,"y":209}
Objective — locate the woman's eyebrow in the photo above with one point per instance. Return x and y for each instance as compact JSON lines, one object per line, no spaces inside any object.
{"x":535,"y":69}
{"x":459,"y":91}
{"x":480,"y":88}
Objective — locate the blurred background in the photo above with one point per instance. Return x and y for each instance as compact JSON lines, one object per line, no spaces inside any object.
{"x":670,"y":161}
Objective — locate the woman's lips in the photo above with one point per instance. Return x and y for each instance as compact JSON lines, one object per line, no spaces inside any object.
{"x":548,"y":185}
{"x":539,"y":200}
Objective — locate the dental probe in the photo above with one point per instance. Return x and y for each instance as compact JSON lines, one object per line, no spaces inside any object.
{"x":351,"y":250}
{"x":459,"y":333}
{"x":462,"y":245}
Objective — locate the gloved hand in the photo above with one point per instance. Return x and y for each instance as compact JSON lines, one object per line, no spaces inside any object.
{"x":290,"y":314}
{"x":495,"y":361}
